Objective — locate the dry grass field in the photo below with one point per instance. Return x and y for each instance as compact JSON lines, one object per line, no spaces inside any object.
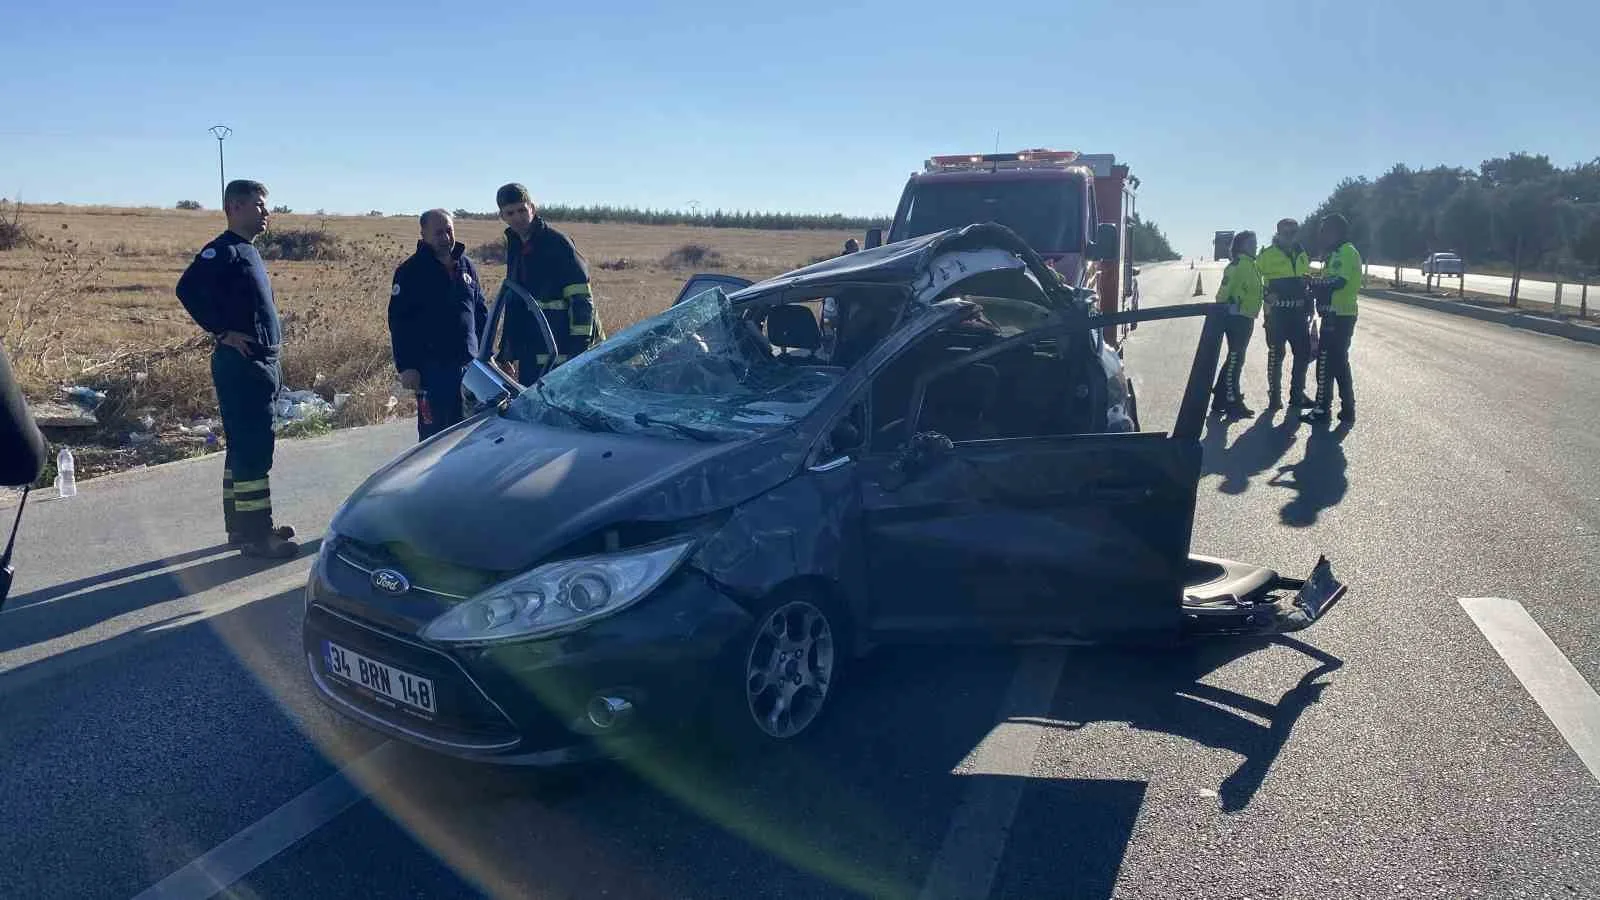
{"x":90,"y":302}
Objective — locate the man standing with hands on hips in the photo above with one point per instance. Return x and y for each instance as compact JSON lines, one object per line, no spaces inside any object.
{"x":436,"y":313}
{"x":227,"y":292}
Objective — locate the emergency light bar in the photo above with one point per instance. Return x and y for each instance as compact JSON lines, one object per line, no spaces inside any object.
{"x":1022,"y":159}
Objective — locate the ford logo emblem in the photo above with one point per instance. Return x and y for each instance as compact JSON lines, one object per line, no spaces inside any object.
{"x":390,"y":582}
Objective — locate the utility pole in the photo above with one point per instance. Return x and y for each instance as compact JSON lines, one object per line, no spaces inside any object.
{"x":220,"y":132}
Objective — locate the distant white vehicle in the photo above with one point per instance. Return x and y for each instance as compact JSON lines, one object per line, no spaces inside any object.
{"x":1443,"y":264}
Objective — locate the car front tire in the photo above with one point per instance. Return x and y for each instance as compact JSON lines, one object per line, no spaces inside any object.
{"x":784,"y":671}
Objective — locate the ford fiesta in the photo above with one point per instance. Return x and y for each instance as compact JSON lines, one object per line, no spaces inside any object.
{"x":717,"y":508}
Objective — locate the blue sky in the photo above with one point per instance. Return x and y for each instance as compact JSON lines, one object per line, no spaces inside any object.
{"x":1232,"y":114}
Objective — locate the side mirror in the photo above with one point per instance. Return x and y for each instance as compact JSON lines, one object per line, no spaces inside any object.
{"x":1105,"y":242}
{"x":874,"y":238}
{"x":485,"y":386}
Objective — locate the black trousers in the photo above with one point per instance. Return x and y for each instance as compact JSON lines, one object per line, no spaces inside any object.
{"x":1288,"y":326}
{"x":246,"y":389}
{"x":441,"y":384}
{"x":1238,"y":330}
{"x":1333,"y":362}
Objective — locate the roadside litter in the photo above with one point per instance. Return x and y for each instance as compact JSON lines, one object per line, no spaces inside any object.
{"x":299,"y":406}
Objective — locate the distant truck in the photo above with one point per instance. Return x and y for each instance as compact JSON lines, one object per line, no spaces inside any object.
{"x":1221,"y":244}
{"x":1073,"y":209}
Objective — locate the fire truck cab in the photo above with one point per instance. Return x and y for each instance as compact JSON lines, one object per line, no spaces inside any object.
{"x":1074,"y":209}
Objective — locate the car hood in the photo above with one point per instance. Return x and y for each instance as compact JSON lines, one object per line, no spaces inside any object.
{"x":499,"y":495}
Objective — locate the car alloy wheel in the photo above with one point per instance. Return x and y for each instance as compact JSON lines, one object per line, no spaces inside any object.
{"x":789,"y":668}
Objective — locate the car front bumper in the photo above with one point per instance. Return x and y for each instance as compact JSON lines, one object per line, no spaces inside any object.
{"x":528,"y":703}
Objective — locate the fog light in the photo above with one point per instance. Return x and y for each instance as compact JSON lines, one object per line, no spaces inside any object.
{"x":606,"y":712}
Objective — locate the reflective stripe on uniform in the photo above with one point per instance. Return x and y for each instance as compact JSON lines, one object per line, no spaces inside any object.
{"x":553,"y":304}
{"x":573,"y":290}
{"x":265,"y":503}
{"x":580,"y":330}
{"x":260,"y":484}
{"x":543,"y":358}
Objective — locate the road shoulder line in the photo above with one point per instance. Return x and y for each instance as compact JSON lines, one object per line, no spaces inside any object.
{"x":969,"y":858}
{"x":238,"y":856}
{"x":1555,"y":684}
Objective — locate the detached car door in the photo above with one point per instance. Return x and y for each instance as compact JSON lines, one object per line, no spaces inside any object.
{"x":1064,"y":536}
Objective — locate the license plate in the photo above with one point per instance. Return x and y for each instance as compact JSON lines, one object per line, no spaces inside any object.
{"x":410,"y":690}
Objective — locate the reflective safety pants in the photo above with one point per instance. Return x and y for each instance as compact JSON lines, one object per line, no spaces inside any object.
{"x":1288,"y":325}
{"x":245,"y":391}
{"x":1239,"y":330}
{"x":1333,"y":362}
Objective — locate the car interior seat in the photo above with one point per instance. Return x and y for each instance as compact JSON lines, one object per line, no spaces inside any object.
{"x":792,"y":327}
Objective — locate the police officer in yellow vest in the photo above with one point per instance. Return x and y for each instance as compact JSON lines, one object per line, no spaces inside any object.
{"x":1241,"y":292}
{"x":1336,"y":293}
{"x":1284,"y":265}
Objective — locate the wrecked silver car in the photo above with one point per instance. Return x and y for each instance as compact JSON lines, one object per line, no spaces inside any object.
{"x":717,"y":507}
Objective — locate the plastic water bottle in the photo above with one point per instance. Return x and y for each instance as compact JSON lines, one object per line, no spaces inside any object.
{"x":66,"y":476}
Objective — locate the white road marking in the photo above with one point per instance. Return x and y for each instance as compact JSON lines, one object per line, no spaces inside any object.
{"x":976,"y":840}
{"x":1546,"y":673}
{"x":243,"y":853}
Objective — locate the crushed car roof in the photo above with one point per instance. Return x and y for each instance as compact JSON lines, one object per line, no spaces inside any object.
{"x":905,"y":261}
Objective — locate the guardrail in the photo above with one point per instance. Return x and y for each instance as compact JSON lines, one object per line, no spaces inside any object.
{"x":1562,"y":298}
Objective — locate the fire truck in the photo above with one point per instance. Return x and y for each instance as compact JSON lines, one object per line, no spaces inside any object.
{"x":1074,"y":209}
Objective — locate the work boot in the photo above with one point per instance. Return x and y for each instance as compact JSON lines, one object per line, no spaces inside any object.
{"x":1300,"y":401}
{"x":1315,"y":414}
{"x":1347,"y":414}
{"x":282,"y":532}
{"x":1240,"y":410}
{"x":1274,"y":401}
{"x":271,"y":547}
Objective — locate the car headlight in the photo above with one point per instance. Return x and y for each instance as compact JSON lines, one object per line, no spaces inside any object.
{"x":559,"y":596}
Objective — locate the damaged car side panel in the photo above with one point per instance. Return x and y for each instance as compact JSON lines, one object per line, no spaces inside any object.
{"x":1080,"y":537}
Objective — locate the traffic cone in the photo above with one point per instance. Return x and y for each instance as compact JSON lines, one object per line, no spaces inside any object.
{"x":1198,"y":290}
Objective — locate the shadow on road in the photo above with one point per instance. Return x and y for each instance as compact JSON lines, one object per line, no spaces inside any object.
{"x":72,"y":587}
{"x":1320,"y":481}
{"x":1253,"y":452}
{"x":1166,"y":695}
{"x":858,"y":808}
{"x":861,"y":806}
{"x":50,"y":613}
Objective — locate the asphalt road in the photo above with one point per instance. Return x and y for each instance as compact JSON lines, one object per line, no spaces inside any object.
{"x":155,"y":711}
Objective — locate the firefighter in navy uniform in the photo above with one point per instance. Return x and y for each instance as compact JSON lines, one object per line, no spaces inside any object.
{"x":436,"y":313}
{"x":227,"y":292}
{"x":1283,"y":266}
{"x":546,"y":264}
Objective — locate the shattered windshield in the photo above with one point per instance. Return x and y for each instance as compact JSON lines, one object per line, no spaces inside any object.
{"x":703,"y":370}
